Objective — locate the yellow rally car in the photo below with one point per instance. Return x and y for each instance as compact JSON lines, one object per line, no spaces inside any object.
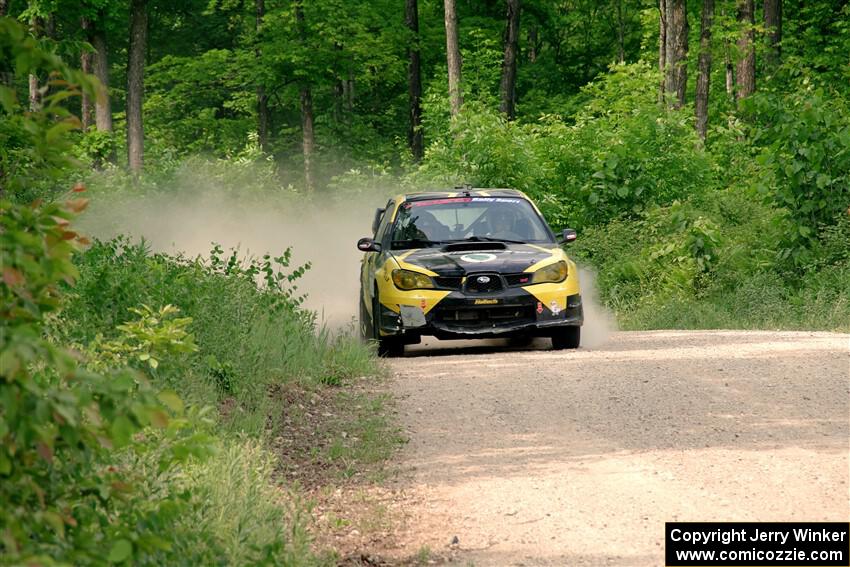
{"x":471,"y":263}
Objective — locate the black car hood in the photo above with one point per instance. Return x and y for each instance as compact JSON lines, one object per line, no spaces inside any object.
{"x":489,"y":257}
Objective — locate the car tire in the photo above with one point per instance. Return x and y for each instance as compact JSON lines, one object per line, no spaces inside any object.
{"x":387,"y":346}
{"x":365,"y":324}
{"x":566,"y":338}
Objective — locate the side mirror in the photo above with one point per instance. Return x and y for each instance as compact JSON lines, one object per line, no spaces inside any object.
{"x":568,"y":235}
{"x":368,"y":245}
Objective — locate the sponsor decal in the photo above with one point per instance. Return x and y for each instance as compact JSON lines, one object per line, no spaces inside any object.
{"x":496,"y":200}
{"x":554,"y":307}
{"x":486,"y":301}
{"x":478,"y":257}
{"x":423,"y":304}
{"x":437,"y":202}
{"x":539,"y":308}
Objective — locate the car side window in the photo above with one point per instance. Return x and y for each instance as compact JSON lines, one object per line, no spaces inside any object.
{"x":381,"y":233}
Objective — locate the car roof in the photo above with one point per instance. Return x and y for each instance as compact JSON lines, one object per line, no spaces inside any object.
{"x":460,"y":192}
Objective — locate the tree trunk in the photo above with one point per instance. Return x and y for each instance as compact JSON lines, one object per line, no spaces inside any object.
{"x":532,"y":43}
{"x":307,"y":136}
{"x":86,"y":58}
{"x":704,"y":69}
{"x":507,"y":86}
{"x":349,"y":92}
{"x":453,"y":57}
{"x":34,"y":92}
{"x":262,"y":97}
{"x":339,"y":86}
{"x":102,"y":105}
{"x":621,"y":48}
{"x":746,"y":75}
{"x":414,"y":82}
{"x":773,"y":26}
{"x":730,"y":70}
{"x":135,"y":84}
{"x":676,"y":52}
{"x":662,"y":46}
{"x":308,"y":142}
{"x":6,"y":75}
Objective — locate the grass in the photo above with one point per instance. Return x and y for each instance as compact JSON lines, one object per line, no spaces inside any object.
{"x":761,"y":302}
{"x":269,"y":374}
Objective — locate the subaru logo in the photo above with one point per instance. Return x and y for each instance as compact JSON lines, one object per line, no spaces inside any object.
{"x":483,"y":279}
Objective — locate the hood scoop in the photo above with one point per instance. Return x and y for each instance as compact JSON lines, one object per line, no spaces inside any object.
{"x":468,"y":246}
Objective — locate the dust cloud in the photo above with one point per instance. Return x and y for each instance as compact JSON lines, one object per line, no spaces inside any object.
{"x":599,"y":321}
{"x":323,"y":233}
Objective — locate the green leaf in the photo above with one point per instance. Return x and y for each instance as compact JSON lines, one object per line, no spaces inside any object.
{"x":55,"y":521}
{"x":121,"y":430}
{"x":5,"y":463}
{"x":58,"y":130}
{"x":7,"y":99}
{"x":172,"y":401}
{"x":121,"y":550}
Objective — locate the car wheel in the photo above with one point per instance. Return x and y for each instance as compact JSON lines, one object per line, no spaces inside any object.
{"x":387,"y":346}
{"x":365,"y":326}
{"x":568,"y":337}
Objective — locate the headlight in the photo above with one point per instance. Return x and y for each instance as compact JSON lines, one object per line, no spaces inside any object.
{"x":408,"y":279}
{"x":553,"y":273}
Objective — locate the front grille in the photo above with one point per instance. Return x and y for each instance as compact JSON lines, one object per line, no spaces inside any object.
{"x":483,"y":283}
{"x":493,"y":316}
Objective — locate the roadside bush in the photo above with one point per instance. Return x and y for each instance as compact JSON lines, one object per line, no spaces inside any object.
{"x":248,"y":335}
{"x":64,"y":492}
{"x":623,"y":154}
{"x":805,"y":154}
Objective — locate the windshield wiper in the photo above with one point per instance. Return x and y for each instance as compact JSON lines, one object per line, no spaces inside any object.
{"x":421,"y":242}
{"x":489,"y":239}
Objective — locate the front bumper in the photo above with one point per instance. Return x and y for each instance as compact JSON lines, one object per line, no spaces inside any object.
{"x":458,"y":315}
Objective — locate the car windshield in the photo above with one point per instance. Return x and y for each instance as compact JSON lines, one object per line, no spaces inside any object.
{"x":433,"y":222}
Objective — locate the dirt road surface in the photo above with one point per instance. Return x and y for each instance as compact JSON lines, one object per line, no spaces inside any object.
{"x":540,"y":457}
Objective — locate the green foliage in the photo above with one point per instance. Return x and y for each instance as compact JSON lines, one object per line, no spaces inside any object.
{"x":95,"y":147}
{"x":101,"y":460}
{"x":146,"y":340}
{"x":199,"y":104}
{"x":248,"y":337}
{"x":64,"y":492}
{"x":623,"y":154}
{"x":34,"y":148}
{"x":806,"y":156}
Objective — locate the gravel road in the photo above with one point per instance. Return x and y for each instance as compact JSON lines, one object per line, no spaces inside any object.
{"x":540,"y":457}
